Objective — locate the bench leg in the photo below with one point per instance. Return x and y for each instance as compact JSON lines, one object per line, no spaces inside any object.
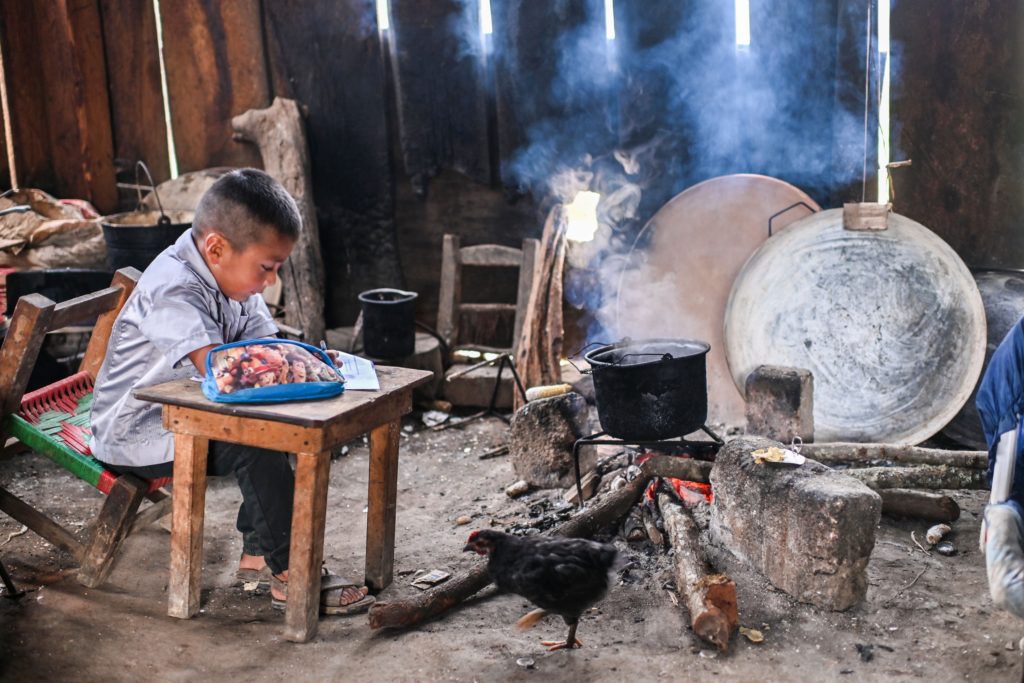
{"x":306,"y":554}
{"x":112,"y":525}
{"x":12,"y":591}
{"x":187,"y":509}
{"x":382,"y":496}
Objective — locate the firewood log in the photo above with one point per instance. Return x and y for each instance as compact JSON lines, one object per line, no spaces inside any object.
{"x":858,"y":453}
{"x":932,"y":507}
{"x":599,"y":514}
{"x":540,"y":340}
{"x":710,"y":598}
{"x":920,"y":477}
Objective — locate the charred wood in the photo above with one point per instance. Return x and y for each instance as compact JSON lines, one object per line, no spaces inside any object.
{"x":602,"y":513}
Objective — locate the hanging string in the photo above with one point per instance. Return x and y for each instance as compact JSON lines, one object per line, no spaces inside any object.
{"x":867,"y":106}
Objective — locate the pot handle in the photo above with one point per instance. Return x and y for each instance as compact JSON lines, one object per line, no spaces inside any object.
{"x":576,"y":354}
{"x":779,"y":213}
{"x":141,"y":165}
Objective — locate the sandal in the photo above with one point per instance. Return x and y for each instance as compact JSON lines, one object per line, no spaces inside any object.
{"x":332,"y":588}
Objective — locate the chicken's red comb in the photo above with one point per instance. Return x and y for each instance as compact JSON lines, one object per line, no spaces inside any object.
{"x":472,"y":536}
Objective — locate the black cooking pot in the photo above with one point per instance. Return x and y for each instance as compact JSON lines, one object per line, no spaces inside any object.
{"x":650,"y":389}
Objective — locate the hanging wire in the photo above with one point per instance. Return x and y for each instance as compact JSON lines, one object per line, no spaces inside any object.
{"x":867,"y":106}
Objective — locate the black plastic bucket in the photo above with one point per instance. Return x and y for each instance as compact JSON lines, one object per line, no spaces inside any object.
{"x":389,"y":322}
{"x":136,"y":238}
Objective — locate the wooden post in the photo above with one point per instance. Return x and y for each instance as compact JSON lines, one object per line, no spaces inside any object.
{"x":279,"y":134}
{"x":126,"y":279}
{"x":449,"y":297}
{"x":20,"y":349}
{"x":383,"y":493}
{"x":307,"y":545}
{"x":188,"y":508}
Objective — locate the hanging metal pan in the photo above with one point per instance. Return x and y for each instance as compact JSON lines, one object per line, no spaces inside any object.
{"x":890,"y":323}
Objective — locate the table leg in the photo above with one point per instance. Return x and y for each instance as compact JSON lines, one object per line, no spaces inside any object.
{"x":307,"y":548}
{"x":380,"y":518}
{"x":187,"y":509}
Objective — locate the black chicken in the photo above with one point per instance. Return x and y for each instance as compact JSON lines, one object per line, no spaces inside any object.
{"x":563,"y":576}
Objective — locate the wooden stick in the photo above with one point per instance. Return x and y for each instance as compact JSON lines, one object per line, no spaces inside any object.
{"x":602,"y":512}
{"x":494,"y":452}
{"x":856,"y":453}
{"x":710,"y":598}
{"x":920,"y":477}
{"x":932,"y":507}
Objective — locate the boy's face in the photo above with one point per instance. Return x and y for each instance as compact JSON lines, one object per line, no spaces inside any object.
{"x":240,"y":274}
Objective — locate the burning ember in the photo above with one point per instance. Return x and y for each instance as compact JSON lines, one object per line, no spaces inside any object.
{"x":581,"y":215}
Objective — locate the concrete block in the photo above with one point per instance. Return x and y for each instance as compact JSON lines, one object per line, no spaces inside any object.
{"x":540,"y":442}
{"x":474,"y":389}
{"x":780,"y":403}
{"x":810,"y":530}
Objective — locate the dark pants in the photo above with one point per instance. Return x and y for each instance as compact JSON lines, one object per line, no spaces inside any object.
{"x":268,"y":486}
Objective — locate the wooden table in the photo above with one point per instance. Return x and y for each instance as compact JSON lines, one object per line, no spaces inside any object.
{"x":311,"y":430}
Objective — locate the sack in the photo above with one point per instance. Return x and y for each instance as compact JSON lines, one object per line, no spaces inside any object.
{"x":270,"y":371}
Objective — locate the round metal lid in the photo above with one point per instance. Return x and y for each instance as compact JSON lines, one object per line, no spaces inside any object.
{"x":890,"y":323}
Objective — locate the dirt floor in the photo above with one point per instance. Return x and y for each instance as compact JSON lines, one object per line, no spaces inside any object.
{"x":926,"y":617}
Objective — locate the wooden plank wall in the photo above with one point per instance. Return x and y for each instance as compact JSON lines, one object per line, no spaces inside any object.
{"x":958,"y":106}
{"x":424,"y":131}
{"x":216,"y":69}
{"x":327,"y":55}
{"x":136,"y":100}
{"x":55,"y":72}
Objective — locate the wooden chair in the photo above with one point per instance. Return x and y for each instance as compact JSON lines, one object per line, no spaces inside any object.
{"x":473,"y":387}
{"x":54,"y":421}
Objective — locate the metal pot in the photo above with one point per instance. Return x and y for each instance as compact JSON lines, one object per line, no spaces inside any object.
{"x":650,"y":389}
{"x":1002,"y":292}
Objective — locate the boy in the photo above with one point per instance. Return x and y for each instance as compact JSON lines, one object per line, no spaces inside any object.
{"x":202,"y":292}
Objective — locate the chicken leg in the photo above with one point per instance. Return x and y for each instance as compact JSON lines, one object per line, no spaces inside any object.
{"x":571,"y":641}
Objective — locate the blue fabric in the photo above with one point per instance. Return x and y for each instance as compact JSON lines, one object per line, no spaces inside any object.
{"x":278,"y":393}
{"x":1001,"y":401}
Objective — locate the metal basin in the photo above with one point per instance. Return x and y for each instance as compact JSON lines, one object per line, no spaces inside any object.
{"x":890,"y":323}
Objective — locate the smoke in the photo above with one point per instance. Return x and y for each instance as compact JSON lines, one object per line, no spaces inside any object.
{"x":669,"y":103}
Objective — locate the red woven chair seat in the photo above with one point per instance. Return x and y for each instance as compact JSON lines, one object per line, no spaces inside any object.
{"x":59,"y":412}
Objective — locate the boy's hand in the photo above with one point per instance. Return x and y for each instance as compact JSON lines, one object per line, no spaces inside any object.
{"x":198,"y":358}
{"x":335,"y":357}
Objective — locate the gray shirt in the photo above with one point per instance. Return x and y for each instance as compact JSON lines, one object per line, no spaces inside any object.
{"x":175,"y":309}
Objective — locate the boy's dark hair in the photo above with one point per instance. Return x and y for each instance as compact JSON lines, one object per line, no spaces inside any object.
{"x":243,"y":203}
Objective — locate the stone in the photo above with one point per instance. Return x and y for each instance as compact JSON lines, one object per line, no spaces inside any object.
{"x":541,"y":436}
{"x":474,"y":389}
{"x":780,"y":403}
{"x":517,"y":489}
{"x":809,"y":530}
